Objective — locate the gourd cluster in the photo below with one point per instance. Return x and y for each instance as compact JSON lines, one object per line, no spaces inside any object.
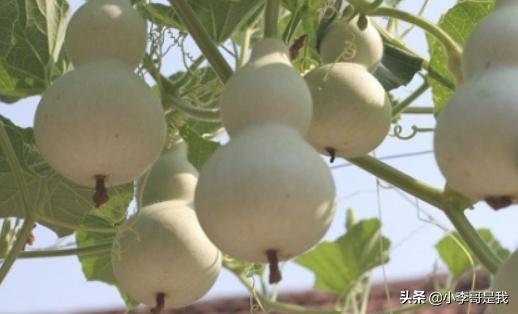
{"x":99,"y":124}
{"x":264,"y":197}
{"x":351,"y":115}
{"x":475,"y":139}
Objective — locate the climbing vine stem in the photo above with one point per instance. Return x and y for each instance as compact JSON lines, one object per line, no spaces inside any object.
{"x":202,"y":39}
{"x":452,"y":206}
{"x":28,"y":223}
{"x":17,"y":248}
{"x":271,"y":18}
{"x":400,"y":107}
{"x":78,"y":251}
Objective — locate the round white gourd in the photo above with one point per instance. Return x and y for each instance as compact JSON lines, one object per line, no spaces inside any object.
{"x":493,"y":43}
{"x":165,"y":251}
{"x":100,"y":120}
{"x":266,"y":190}
{"x":475,"y":138}
{"x":343,"y":41}
{"x":351,"y":114}
{"x":170,"y":177}
{"x":265,"y":90}
{"x":506,"y":280}
{"x":106,"y":29}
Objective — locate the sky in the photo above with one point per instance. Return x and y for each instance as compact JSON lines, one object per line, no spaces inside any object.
{"x":57,"y":285}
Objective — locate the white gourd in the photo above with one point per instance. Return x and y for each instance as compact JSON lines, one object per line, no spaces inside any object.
{"x":344,"y":41}
{"x":100,"y":120}
{"x":265,"y":196}
{"x":475,"y":138}
{"x":493,"y":43}
{"x":351,"y":114}
{"x":164,"y":258}
{"x":266,"y":90}
{"x":171,"y":177}
{"x":506,"y":281}
{"x":106,"y":29}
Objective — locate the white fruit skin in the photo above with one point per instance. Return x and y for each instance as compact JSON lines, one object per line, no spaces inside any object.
{"x":106,"y":29}
{"x":170,"y":177}
{"x":266,"y":91}
{"x":477,"y":127}
{"x":269,"y":50}
{"x":506,"y":280}
{"x":265,"y":190}
{"x":351,"y":113}
{"x":100,"y":119}
{"x":165,"y":251}
{"x":342,"y":35}
{"x":493,"y":43}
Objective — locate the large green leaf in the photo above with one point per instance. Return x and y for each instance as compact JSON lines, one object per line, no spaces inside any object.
{"x":99,"y":267}
{"x":397,"y":68}
{"x":459,"y":22}
{"x":56,"y":198}
{"x":455,"y":257}
{"x":340,"y":265}
{"x":200,"y":149}
{"x":221,"y":18}
{"x":31,"y":41}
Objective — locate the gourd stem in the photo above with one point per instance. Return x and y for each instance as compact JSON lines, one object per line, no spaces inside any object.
{"x":79,"y":251}
{"x":271,"y":18}
{"x":453,"y":49}
{"x":160,"y":303}
{"x":202,"y":39}
{"x":397,"y":109}
{"x":17,"y":248}
{"x":273,"y":261}
{"x":332,"y":154}
{"x":101,"y":194}
{"x":245,"y":47}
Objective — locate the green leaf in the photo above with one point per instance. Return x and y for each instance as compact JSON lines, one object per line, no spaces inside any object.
{"x":397,"y":68}
{"x":56,"y":198}
{"x":160,"y":14}
{"x":340,"y":265}
{"x":31,"y":41}
{"x":455,"y":257}
{"x":459,"y":22}
{"x":200,"y":149}
{"x":221,"y":18}
{"x":99,"y":267}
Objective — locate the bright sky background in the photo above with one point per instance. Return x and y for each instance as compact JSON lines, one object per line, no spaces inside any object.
{"x":57,"y":285}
